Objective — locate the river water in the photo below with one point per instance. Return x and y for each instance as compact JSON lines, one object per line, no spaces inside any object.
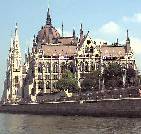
{"x":37,"y":124}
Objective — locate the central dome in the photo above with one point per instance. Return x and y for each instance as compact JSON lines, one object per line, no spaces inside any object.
{"x":48,"y":33}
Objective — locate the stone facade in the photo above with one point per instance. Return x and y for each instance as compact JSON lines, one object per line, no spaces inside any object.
{"x":51,"y":55}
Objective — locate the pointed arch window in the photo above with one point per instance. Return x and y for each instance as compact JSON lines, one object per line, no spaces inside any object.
{"x":86,"y":49}
{"x":91,"y":49}
{"x":16,"y":79}
{"x":81,"y":66}
{"x":55,"y":67}
{"x":40,"y":85}
{"x":92,"y":66}
{"x":63,"y":67}
{"x":40,"y":69}
{"x":86,"y":67}
{"x":48,"y":68}
{"x":48,"y":85}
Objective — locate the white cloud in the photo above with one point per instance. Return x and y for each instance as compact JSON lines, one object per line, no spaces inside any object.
{"x":110,"y":28}
{"x":136,"y":45}
{"x":135,"y":18}
{"x":65,"y":33}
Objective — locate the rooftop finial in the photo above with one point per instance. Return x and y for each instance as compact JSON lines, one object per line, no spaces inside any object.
{"x":16,"y":28}
{"x":117,"y":40}
{"x":74,"y":32}
{"x":48,"y":20}
{"x":128,"y":39}
{"x":16,"y":33}
{"x":81,"y":29}
{"x":62,"y":29}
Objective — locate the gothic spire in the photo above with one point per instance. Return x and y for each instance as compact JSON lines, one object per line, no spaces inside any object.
{"x":62,"y":29}
{"x":74,"y":32}
{"x":81,"y":32}
{"x":128,"y":48}
{"x":128,"y":39}
{"x":16,"y":32}
{"x":48,"y":20}
{"x":16,"y":38}
{"x":81,"y":29}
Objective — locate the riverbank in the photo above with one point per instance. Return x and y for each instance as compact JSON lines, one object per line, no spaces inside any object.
{"x":127,"y":107}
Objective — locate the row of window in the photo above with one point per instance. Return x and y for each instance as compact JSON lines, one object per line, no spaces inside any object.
{"x":83,"y":67}
{"x":48,"y":77}
{"x":47,"y":85}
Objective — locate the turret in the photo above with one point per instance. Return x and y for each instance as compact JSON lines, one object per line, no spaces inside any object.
{"x":128,"y":47}
{"x":62,"y":29}
{"x":16,"y":49}
{"x":74,"y":33}
{"x":48,"y":20}
{"x":81,"y":32}
{"x":14,"y":69}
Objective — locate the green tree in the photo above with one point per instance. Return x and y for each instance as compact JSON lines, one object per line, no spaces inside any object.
{"x":113,"y":75}
{"x":91,"y":81}
{"x":130,"y":76}
{"x":68,"y":81}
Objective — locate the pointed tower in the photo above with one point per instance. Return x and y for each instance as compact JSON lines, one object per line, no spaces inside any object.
{"x":128,"y":47}
{"x":74,"y":33}
{"x":14,"y":70}
{"x":81,"y":32}
{"x":48,"y":20}
{"x":62,"y":29}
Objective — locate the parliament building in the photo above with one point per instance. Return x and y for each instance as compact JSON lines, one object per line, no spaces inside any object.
{"x":52,"y":53}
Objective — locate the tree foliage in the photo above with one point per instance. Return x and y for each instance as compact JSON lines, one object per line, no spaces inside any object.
{"x":130,"y":77}
{"x":91,"y":81}
{"x":68,"y":81}
{"x":113,"y":75}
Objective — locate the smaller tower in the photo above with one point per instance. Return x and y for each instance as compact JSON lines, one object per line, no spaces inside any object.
{"x":48,"y":20}
{"x":74,"y":33}
{"x":81,"y":32}
{"x":128,"y":47}
{"x":13,"y":87}
{"x":62,"y":29}
{"x":117,"y":41}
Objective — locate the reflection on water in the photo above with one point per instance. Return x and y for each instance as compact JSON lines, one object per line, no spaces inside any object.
{"x":36,"y":124}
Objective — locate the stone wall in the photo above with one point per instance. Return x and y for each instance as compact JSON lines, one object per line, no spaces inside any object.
{"x":121,"y":108}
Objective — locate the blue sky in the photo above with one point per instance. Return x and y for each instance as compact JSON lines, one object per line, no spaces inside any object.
{"x":105,"y":19}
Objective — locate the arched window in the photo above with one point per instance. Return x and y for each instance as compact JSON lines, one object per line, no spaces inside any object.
{"x":81,"y":66}
{"x":71,"y":67}
{"x":54,"y":85}
{"x":86,"y":49}
{"x":40,"y":85}
{"x":86,"y":67}
{"x":48,"y":68}
{"x":16,"y":79}
{"x":40,"y":69}
{"x":48,"y":85}
{"x":55,"y":67}
{"x":91,"y":49}
{"x":63,"y":67}
{"x":33,"y":91}
{"x":92,"y":66}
